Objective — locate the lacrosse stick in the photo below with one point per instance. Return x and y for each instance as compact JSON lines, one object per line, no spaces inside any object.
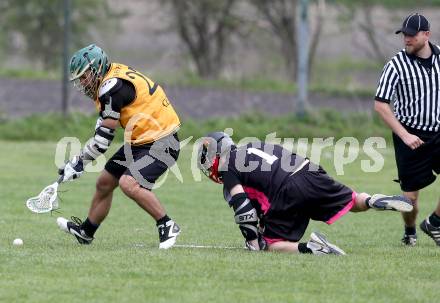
{"x":47,"y":200}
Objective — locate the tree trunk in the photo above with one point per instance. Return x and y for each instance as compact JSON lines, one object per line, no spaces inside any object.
{"x":205,"y":28}
{"x":368,"y":29}
{"x":317,"y":34}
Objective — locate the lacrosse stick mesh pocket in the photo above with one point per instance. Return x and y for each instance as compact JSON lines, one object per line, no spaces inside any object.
{"x":46,"y":201}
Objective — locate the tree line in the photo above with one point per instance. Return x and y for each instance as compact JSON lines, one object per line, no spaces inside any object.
{"x":206,"y":27}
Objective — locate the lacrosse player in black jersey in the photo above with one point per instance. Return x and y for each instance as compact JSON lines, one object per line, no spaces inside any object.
{"x":274,"y":193}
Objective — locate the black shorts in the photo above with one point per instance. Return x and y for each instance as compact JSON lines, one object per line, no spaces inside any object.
{"x":416,"y":167}
{"x":307,"y":195}
{"x":146,"y":163}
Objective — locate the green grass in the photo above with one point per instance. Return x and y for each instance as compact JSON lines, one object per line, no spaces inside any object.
{"x":252,"y":84}
{"x":324,"y":123}
{"x":330,"y":78}
{"x":124,"y":265}
{"x":335,"y":78}
{"x":34,"y":74}
{"x":262,"y":84}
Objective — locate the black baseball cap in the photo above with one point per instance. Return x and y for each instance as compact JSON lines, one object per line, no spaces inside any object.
{"x":413,"y":24}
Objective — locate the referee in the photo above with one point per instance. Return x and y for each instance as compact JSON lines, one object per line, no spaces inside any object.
{"x":411,"y":81}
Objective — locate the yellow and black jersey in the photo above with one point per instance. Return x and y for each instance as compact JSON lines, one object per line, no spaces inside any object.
{"x":140,"y":105}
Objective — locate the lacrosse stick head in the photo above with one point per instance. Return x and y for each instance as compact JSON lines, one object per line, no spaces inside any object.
{"x":46,"y":201}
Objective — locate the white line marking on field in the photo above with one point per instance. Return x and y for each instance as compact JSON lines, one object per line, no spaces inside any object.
{"x":196,"y":246}
{"x":206,"y":246}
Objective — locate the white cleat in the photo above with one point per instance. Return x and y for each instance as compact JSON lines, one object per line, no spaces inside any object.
{"x":74,"y":228}
{"x":319,"y":245}
{"x":168,"y":233}
{"x":62,"y":224}
{"x":396,"y":203}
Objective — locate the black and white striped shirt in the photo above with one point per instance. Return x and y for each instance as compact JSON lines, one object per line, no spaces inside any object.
{"x":413,"y":89}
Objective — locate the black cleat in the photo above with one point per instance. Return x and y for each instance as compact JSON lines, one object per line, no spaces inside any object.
{"x":409,"y":240}
{"x":432,"y":231}
{"x":74,"y":228}
{"x":168,"y":233}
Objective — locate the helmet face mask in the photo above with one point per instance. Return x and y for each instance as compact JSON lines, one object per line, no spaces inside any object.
{"x":87,"y":69}
{"x":210,"y":152}
{"x":88,"y":83}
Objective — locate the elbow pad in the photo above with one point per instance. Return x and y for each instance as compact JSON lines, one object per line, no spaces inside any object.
{"x":98,"y":144}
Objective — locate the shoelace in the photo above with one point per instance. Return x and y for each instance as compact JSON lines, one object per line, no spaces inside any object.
{"x":76,"y":220}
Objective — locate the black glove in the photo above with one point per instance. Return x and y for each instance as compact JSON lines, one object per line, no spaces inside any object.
{"x":245,"y":216}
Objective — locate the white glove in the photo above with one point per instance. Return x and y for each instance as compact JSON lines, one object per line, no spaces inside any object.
{"x":257,"y":244}
{"x":72,"y":170}
{"x":252,"y":245}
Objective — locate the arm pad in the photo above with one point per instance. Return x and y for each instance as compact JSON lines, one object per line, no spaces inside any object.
{"x":97,"y":145}
{"x":245,"y":216}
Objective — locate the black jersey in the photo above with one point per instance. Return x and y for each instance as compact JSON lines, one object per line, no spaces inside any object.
{"x":285,"y":189}
{"x":262,"y":169}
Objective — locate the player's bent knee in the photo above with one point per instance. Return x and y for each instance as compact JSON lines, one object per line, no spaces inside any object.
{"x":129,"y":185}
{"x":284,"y":246}
{"x":105,"y":185}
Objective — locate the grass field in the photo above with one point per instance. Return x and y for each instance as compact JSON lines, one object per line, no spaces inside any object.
{"x":124,"y":264}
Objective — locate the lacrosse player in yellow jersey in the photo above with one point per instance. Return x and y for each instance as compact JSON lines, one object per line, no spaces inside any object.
{"x":125,"y":97}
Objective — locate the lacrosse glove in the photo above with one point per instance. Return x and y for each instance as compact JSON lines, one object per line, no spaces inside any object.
{"x":72,"y":170}
{"x":261,"y":243}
